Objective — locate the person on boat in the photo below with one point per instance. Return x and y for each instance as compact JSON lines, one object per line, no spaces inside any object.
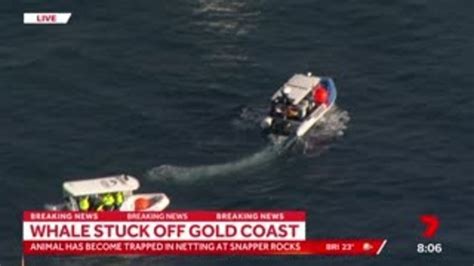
{"x":118,"y":199}
{"x":84,"y":204}
{"x":320,"y":94}
{"x":284,"y":97}
{"x":281,"y":103}
{"x":107,"y":203}
{"x":95,"y":201}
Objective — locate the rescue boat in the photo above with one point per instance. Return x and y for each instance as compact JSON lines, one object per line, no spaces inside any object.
{"x":73,"y":191}
{"x":299,"y":104}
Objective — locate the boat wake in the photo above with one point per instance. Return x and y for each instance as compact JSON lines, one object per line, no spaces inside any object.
{"x":183,"y":174}
{"x":318,"y":139}
{"x":314,"y":143}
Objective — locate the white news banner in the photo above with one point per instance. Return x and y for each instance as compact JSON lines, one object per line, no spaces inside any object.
{"x":46,"y":18}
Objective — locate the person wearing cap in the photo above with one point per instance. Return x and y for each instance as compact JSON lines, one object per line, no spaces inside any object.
{"x":281,"y":102}
{"x":84,"y":204}
{"x":286,"y":96}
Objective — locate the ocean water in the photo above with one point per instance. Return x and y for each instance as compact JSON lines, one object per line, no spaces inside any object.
{"x":172,"y":93}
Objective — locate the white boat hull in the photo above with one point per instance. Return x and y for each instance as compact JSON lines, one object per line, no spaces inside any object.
{"x":313,"y":119}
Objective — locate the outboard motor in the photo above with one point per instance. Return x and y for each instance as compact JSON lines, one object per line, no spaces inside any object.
{"x":266,"y":123}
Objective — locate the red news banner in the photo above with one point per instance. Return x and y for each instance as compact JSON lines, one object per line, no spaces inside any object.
{"x":181,"y":233}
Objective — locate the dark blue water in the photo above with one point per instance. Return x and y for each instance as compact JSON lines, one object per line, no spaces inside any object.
{"x":140,"y":86}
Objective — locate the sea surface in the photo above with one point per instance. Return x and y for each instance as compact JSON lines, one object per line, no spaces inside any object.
{"x":172,"y":92}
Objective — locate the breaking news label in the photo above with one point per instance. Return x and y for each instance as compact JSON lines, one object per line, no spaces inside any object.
{"x":181,"y":233}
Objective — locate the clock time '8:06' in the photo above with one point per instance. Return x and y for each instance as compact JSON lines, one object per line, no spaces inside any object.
{"x":429,"y":248}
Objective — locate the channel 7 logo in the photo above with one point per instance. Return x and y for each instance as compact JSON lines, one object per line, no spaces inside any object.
{"x":431,"y":223}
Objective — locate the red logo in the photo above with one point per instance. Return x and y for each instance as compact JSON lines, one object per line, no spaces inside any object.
{"x":432,"y":224}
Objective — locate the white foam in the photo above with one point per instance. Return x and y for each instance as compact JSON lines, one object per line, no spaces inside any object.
{"x":333,"y":125}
